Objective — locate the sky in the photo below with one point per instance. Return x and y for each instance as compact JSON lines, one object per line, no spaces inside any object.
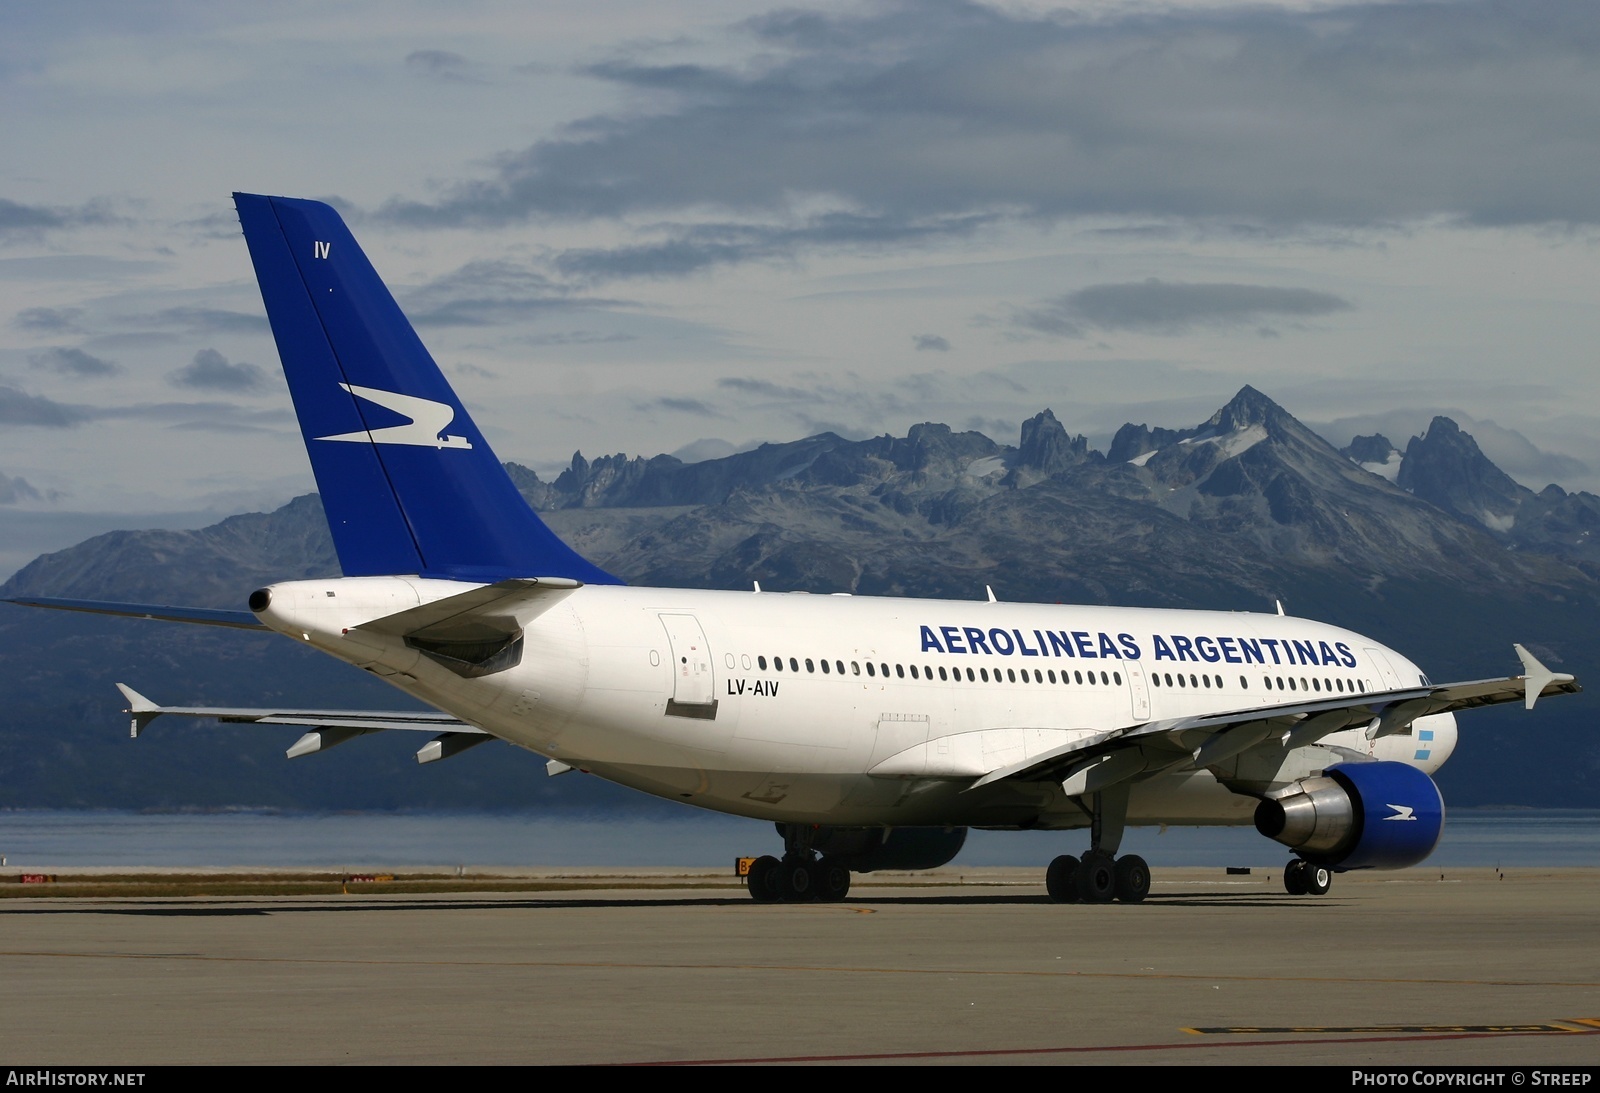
{"x":692,"y":226}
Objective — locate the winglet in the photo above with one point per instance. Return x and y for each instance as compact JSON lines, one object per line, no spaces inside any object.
{"x":1536,"y":677}
{"x":143,"y":710}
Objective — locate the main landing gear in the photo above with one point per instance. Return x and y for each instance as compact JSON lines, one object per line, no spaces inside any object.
{"x":800,"y":876}
{"x":1301,"y":878}
{"x":796,"y":879}
{"x":1100,"y":876}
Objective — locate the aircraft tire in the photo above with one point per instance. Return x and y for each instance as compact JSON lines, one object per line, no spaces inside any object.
{"x":797,"y":880}
{"x":1132,"y":879}
{"x":1060,"y":879}
{"x":1096,"y":878}
{"x":1318,"y":879}
{"x":762,"y":880}
{"x":1294,"y":878}
{"x":833,"y":881}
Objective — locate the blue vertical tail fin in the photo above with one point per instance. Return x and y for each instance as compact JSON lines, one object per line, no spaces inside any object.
{"x":407,"y":480}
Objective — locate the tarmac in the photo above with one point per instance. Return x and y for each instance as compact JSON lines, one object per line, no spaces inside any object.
{"x":1419,"y":968}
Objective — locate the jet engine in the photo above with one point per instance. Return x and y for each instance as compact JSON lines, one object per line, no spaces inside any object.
{"x":865,"y":849}
{"x":1381,"y":815}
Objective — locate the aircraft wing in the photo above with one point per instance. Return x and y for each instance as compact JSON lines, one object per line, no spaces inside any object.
{"x":324,"y":728}
{"x":1107,"y":758}
{"x":203,"y":616}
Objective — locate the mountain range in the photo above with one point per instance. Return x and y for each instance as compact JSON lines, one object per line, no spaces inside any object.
{"x":1432,"y":549}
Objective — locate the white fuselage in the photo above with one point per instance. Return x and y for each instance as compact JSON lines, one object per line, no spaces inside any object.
{"x":866,"y":711}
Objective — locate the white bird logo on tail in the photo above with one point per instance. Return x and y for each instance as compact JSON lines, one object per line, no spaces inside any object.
{"x":428,"y":422}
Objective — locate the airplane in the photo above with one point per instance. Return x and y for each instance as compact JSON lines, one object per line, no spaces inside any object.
{"x":873,"y":732}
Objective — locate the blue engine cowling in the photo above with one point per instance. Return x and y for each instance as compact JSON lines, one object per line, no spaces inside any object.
{"x":1358,"y":816}
{"x":865,"y":849}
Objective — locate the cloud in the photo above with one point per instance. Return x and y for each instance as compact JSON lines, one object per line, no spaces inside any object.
{"x":691,"y":248}
{"x":685,"y":406}
{"x":930,"y":342}
{"x":747,"y":385}
{"x":17,"y":407}
{"x":441,"y":64}
{"x":1173,"y":307}
{"x":26,"y":221}
{"x":50,"y":320}
{"x":15,"y":490}
{"x":486,"y":292}
{"x":221,"y":416}
{"x":210,"y":371}
{"x":577,"y":337}
{"x":699,"y":451}
{"x":73,"y":362}
{"x":210,"y":320}
{"x":935,"y":113}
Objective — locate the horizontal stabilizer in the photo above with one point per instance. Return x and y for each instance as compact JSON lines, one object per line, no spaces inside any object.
{"x":200,"y":616}
{"x":144,"y":711}
{"x":529,"y":596}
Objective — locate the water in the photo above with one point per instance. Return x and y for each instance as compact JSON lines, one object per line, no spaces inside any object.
{"x":66,"y":839}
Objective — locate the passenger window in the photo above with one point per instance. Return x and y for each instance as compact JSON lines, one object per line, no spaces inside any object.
{"x":839,"y":666}
{"x":1117,"y":676}
{"x":761,"y":662}
{"x":900,"y":671}
{"x":941,"y":673}
{"x":855,"y":668}
{"x":824,"y":666}
{"x":810,"y":665}
{"x":870,"y":670}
